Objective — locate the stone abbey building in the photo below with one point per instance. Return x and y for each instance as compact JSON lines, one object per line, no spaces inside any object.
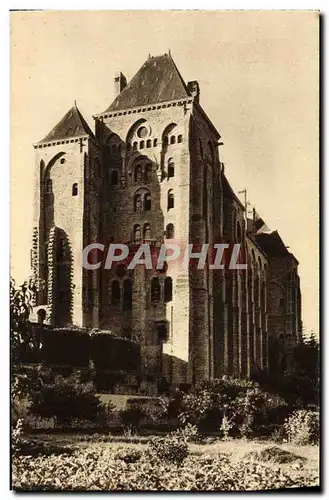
{"x":151,"y":172}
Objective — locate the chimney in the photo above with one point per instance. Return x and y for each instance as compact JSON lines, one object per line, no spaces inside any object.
{"x":194,"y":89}
{"x":120,"y":83}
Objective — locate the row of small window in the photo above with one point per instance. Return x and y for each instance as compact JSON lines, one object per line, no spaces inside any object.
{"x":49,"y":187}
{"x":126,"y":295}
{"x":147,"y":234}
{"x":142,"y":175}
{"x":148,"y":144}
{"x":144,"y":203}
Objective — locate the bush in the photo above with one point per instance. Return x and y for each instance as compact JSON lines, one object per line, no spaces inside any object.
{"x":131,"y":418}
{"x":174,"y":447}
{"x":67,"y":400}
{"x":303,"y":427}
{"x":231,"y":406}
{"x":171,"y":448}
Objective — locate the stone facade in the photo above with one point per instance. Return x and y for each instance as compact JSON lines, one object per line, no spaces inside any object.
{"x":152,"y":173}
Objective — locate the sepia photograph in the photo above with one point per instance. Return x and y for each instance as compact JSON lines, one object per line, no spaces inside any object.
{"x":164,"y":254}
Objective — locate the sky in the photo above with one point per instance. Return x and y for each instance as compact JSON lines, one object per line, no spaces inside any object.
{"x":258,"y":77}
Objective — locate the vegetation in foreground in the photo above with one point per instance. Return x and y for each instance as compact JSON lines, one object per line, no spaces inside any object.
{"x":231,"y":408}
{"x":171,"y":463}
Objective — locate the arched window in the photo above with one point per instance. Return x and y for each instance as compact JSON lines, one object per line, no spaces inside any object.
{"x":148,"y":173}
{"x":155,"y":290}
{"x":115,"y":293}
{"x":155,"y":142}
{"x":180,"y":138}
{"x":138,"y":173}
{"x":148,"y":143}
{"x":142,"y":145}
{"x":170,"y":203}
{"x":171,"y":169}
{"x":137,"y":234}
{"x":147,"y":202}
{"x":127,"y":295}
{"x":170,"y":232}
{"x":172,"y":139}
{"x":135,"y":145}
{"x":49,"y":186}
{"x":75,"y":189}
{"x":62,"y":161}
{"x":167,"y":295}
{"x":147,"y":232}
{"x":41,"y":316}
{"x":137,"y":203}
{"x":114,"y":177}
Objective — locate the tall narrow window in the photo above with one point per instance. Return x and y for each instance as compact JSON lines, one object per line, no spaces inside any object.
{"x":171,"y":169}
{"x":127,"y":295}
{"x":114,"y":178}
{"x":172,"y":139}
{"x":49,"y":186}
{"x":155,"y":290}
{"x":138,"y":173}
{"x":135,"y":145}
{"x":147,"y":232}
{"x":170,"y":232}
{"x":148,"y":143}
{"x":75,"y":189}
{"x":170,"y":203}
{"x":142,"y":145}
{"x":180,"y":138}
{"x":115,"y":293}
{"x":148,"y":173}
{"x":167,"y":289}
{"x":137,"y":234}
{"x":147,"y":202}
{"x":205,"y":193}
{"x":155,"y":142}
{"x":137,"y":203}
{"x":200,"y":148}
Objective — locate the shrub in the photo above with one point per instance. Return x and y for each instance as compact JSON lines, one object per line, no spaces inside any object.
{"x":132,"y":417}
{"x":242,"y":404}
{"x":171,"y":448}
{"x":303,"y":427}
{"x":68,"y":400}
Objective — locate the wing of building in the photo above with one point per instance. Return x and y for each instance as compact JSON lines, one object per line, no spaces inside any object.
{"x":152,"y":173}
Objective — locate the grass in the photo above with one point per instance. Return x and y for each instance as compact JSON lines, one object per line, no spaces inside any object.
{"x":235,"y":449}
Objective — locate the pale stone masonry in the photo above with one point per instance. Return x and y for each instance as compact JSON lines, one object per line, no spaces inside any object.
{"x":152,"y":172}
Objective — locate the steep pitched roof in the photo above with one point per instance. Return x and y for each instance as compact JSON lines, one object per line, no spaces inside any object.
{"x":72,"y":124}
{"x":272,"y":244}
{"x":158,"y":80}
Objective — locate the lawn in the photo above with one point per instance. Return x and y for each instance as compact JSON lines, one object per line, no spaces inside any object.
{"x":112,"y":463}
